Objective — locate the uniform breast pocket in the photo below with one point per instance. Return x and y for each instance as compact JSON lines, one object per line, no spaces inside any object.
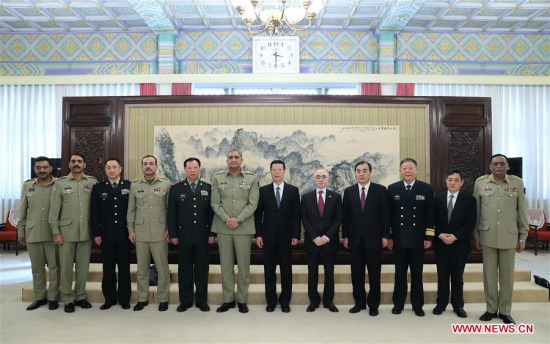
{"x":245,"y":189}
{"x":31,"y":197}
{"x":160,"y":193}
{"x":88,"y":189}
{"x":486,"y":196}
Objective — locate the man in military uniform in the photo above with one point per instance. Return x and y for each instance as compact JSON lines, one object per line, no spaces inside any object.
{"x":147,"y":230}
{"x":70,"y":221}
{"x":189,"y":219}
{"x":413,"y":223}
{"x":500,"y":232}
{"x":108,"y":208}
{"x":235,"y":195}
{"x":35,"y":232}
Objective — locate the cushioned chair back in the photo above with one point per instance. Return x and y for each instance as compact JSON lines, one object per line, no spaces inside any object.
{"x":11,"y":221}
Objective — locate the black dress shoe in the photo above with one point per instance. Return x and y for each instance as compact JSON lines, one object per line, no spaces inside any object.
{"x":69,"y":307}
{"x":183,"y":308}
{"x":37,"y":304}
{"x":126,"y":306}
{"x":139,"y":306}
{"x":460,"y":312}
{"x":53,"y":305}
{"x":357,"y":309}
{"x":243,"y":308}
{"x":331,"y":307}
{"x":105,"y":306}
{"x":203,"y":307}
{"x":225,"y":307}
{"x":438,"y":310}
{"x":488,"y":316}
{"x":373,"y":312}
{"x":285,"y":309}
{"x":396,"y":310}
{"x":507,"y":319}
{"x":83,"y":304}
{"x":269,"y":309}
{"x":419,"y":313}
{"x":312,"y":307}
{"x":163,"y":306}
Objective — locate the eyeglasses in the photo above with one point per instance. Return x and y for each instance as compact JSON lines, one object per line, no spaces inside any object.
{"x":148,"y":164}
{"x":321,"y":177}
{"x":499,"y":163}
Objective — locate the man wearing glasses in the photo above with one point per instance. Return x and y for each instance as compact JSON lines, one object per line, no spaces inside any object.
{"x":70,"y":221}
{"x":147,"y":230}
{"x":35,"y":232}
{"x":321,"y":216}
{"x":234,"y":199}
{"x":501,"y":231}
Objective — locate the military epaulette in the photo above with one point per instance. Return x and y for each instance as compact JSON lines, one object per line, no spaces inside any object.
{"x":137,"y":180}
{"x":89,"y":177}
{"x":483,"y":177}
{"x":511,"y":176}
{"x":249,"y":172}
{"x":28,"y":180}
{"x":221,"y":172}
{"x":64,"y":177}
{"x":204,"y":181}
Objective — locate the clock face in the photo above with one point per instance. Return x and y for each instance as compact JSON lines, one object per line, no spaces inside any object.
{"x":276,"y":55}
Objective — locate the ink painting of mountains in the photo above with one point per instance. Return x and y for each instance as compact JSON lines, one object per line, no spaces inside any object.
{"x":304,"y":149}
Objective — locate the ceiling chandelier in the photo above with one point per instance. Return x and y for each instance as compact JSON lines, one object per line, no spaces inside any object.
{"x":270,"y":15}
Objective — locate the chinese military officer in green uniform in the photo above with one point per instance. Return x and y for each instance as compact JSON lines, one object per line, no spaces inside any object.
{"x":34,"y":231}
{"x":501,"y":231}
{"x":235,"y":195}
{"x":148,"y":231}
{"x":70,"y":221}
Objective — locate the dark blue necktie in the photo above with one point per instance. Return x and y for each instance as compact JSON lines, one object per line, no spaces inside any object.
{"x":278,"y":197}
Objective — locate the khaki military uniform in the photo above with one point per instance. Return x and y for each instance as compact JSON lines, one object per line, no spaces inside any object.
{"x":501,"y":223}
{"x":147,"y":219}
{"x":33,"y":225}
{"x":69,"y":216}
{"x":235,"y":196}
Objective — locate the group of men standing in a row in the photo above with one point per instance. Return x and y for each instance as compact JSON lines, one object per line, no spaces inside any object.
{"x":73,"y":210}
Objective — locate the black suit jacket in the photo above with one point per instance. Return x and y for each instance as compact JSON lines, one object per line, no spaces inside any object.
{"x":329,"y":224}
{"x":189,"y":216}
{"x":272,"y":222}
{"x":412,"y":213}
{"x":372,"y":223}
{"x":463,"y":221}
{"x":108,"y":208}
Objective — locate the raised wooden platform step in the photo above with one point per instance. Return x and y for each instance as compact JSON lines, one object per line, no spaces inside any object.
{"x":524,"y":289}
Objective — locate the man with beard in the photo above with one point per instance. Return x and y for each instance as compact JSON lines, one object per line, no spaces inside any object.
{"x":70,"y":221}
{"x":35,"y":232}
{"x":108,"y":209}
{"x":147,"y":230}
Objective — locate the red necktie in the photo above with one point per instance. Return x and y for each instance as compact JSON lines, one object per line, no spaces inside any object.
{"x":363,"y":198}
{"x":321,"y":203}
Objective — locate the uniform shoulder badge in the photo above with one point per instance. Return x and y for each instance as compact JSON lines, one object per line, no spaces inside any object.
{"x":220,"y":172}
{"x":63,"y":178}
{"x":136,"y":180}
{"x":249,"y":172}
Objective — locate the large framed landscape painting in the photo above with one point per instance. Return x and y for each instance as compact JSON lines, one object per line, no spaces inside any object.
{"x":337,"y":148}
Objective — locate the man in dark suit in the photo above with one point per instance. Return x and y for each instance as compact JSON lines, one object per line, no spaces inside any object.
{"x":189,"y":218}
{"x":277,"y":221}
{"x":366,"y":231}
{"x":413,"y":222}
{"x":455,"y":221}
{"x":108,"y":207}
{"x":321,"y":216}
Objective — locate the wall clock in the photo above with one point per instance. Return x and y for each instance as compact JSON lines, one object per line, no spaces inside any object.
{"x":276,"y":55}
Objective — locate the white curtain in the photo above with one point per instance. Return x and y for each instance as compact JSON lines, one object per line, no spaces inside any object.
{"x":520,"y":128}
{"x":30,"y":126}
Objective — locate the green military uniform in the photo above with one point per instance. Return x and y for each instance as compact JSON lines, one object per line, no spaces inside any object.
{"x":33,"y":225}
{"x":234,"y":196}
{"x":147,"y":219}
{"x":501,"y":223}
{"x":69,"y":216}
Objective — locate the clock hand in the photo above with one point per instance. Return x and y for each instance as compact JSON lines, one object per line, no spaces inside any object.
{"x":276,"y":55}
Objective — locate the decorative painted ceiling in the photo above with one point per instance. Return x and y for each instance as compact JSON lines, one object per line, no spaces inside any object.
{"x":174,"y":16}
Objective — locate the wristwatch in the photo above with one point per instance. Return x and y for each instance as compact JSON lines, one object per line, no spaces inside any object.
{"x":522,"y":241}
{"x":239,"y":220}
